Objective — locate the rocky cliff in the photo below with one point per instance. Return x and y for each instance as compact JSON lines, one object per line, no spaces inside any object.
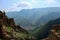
{"x":8,"y":29}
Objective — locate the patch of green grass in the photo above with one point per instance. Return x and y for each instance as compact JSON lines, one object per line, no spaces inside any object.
{"x":9,"y":29}
{"x":20,"y":34}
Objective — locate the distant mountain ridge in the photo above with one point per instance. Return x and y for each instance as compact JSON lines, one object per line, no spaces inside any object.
{"x":34,"y":17}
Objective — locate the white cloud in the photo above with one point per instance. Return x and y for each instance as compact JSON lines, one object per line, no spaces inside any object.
{"x":20,"y":5}
{"x":32,"y":4}
{"x":24,"y":4}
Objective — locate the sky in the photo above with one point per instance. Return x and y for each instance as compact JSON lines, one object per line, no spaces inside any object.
{"x":17,"y":5}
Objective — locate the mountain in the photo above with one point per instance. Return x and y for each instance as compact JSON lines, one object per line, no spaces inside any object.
{"x":51,"y":16}
{"x":31,"y":18}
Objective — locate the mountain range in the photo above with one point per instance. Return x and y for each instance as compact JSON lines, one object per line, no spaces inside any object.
{"x":32,"y":18}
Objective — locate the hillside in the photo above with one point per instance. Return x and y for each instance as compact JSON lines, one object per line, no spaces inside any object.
{"x":44,"y":31}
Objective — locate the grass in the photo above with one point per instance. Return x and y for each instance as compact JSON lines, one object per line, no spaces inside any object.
{"x":9,"y":29}
{"x":22,"y":35}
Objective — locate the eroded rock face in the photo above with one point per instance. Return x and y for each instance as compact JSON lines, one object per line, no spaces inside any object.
{"x":3,"y":22}
{"x":54,"y":33}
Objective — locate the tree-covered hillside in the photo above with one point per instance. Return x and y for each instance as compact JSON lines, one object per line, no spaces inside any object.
{"x":43,"y":31}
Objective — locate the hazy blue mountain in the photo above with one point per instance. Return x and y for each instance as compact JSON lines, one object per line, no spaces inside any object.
{"x":34,"y":17}
{"x":51,"y":16}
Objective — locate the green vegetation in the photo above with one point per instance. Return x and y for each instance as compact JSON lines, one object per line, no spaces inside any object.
{"x":41,"y":31}
{"x":9,"y":28}
{"x":18,"y":34}
{"x":23,"y":35}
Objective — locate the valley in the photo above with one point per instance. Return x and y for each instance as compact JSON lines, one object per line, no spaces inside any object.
{"x":25,"y":24}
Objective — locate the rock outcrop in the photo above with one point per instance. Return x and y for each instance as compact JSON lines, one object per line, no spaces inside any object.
{"x":54,"y":33}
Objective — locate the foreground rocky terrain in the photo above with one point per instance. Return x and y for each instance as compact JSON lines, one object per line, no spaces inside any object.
{"x":10,"y":31}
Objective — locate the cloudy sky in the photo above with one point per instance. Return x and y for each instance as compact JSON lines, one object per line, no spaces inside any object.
{"x":16,"y":5}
